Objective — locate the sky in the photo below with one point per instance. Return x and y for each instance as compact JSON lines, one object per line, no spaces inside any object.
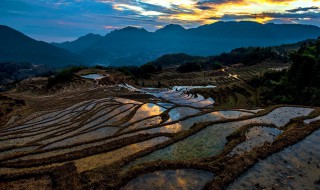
{"x":65,"y":20}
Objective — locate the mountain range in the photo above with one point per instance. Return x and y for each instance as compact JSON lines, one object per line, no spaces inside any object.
{"x":17,"y":47}
{"x":136,"y":46}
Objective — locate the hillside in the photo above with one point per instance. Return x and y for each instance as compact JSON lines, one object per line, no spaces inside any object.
{"x":133,"y":46}
{"x":81,"y":43}
{"x":17,"y":47}
{"x":176,"y":59}
{"x":88,"y":131}
{"x":244,"y":56}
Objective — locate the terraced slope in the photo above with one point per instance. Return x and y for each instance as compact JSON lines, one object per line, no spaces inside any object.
{"x":112,"y":138}
{"x":218,"y":77}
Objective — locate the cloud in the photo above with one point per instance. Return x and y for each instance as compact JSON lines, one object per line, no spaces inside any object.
{"x":303,"y":9}
{"x":209,"y":11}
{"x":139,"y":10}
{"x":112,"y":27}
{"x":204,"y":2}
{"x":73,"y":18}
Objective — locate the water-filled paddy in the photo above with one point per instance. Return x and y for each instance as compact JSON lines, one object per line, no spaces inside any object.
{"x":211,"y":140}
{"x":93,"y":76}
{"x":255,"y":137}
{"x":308,"y":121}
{"x":185,"y":179}
{"x":296,"y":167}
{"x":100,"y":133}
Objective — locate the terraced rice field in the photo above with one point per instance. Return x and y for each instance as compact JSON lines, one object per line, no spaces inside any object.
{"x":115,"y":139}
{"x":219,"y":77}
{"x":296,"y":167}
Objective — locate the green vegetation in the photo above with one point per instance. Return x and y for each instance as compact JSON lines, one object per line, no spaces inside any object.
{"x":11,"y":72}
{"x":176,"y":59}
{"x":189,"y":67}
{"x":299,"y":85}
{"x":216,"y":65}
{"x":63,"y":76}
{"x":247,"y":56}
{"x":143,"y":71}
{"x":150,"y":68}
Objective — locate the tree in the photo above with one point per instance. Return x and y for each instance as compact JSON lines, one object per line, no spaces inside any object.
{"x":189,"y":67}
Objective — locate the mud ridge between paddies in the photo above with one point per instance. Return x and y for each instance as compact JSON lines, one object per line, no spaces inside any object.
{"x":108,"y":137}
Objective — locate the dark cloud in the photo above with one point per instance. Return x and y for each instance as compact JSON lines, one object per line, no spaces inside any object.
{"x":208,"y":2}
{"x":303,"y":9}
{"x":173,"y":9}
{"x":203,"y":7}
{"x":275,"y":16}
{"x":290,"y":15}
{"x":58,"y":20}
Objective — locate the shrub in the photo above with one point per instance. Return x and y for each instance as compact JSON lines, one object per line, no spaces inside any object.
{"x":189,"y":67}
{"x":63,"y":76}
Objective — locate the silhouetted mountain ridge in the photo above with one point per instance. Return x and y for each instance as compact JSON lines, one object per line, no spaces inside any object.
{"x":136,"y":46}
{"x":81,"y":43}
{"x":171,"y":28}
{"x":17,"y":47}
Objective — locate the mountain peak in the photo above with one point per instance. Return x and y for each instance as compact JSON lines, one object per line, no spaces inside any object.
{"x":171,"y":28}
{"x":7,"y":29}
{"x":7,"y":33}
{"x":90,"y":36}
{"x":81,"y":43}
{"x":128,"y":31}
{"x":238,"y":23}
{"x":135,"y":46}
{"x":17,"y":47}
{"x":4,"y":27}
{"x":132,"y":28}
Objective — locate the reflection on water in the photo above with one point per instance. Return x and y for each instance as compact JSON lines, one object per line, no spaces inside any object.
{"x":144,"y":123}
{"x":165,"y":105}
{"x":88,"y":136}
{"x":147,"y":110}
{"x":126,"y":101}
{"x":203,"y":144}
{"x":211,"y":140}
{"x":104,"y":159}
{"x":281,"y":116}
{"x":181,"y":112}
{"x":256,"y":137}
{"x":252,"y":111}
{"x":188,"y":88}
{"x":185,"y":179}
{"x":179,"y":96}
{"x":308,"y":121}
{"x":174,"y":128}
{"x":213,"y":116}
{"x":296,"y":167}
{"x":93,"y":76}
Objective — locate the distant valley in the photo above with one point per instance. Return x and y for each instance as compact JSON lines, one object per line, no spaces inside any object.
{"x":134,"y":46}
{"x":203,"y":48}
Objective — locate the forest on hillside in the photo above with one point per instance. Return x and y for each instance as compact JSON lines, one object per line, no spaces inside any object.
{"x":299,"y":85}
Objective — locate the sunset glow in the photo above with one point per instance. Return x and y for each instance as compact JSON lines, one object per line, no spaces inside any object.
{"x":94,"y":15}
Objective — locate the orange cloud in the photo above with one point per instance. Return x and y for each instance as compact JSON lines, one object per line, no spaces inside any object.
{"x":210,"y":11}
